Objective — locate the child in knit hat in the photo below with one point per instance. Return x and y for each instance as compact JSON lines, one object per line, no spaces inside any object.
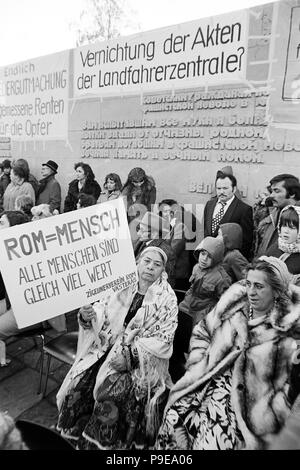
{"x":208,"y":282}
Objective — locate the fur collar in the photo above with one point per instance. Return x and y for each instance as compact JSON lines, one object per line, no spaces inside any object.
{"x":282,"y":317}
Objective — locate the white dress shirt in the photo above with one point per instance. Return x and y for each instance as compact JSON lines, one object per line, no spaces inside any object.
{"x":218,"y":206}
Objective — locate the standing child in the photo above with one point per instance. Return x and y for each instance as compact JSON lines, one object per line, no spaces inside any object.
{"x":208,"y":282}
{"x":234,"y":262}
{"x":209,"y":279}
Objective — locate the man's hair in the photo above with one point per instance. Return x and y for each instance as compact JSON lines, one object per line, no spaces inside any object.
{"x":222,"y":176}
{"x":290,"y":183}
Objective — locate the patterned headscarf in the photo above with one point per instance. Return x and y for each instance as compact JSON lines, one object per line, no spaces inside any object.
{"x":279,"y":268}
{"x":289,"y":247}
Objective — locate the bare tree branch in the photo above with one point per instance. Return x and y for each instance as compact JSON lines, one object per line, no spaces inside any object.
{"x":103,"y":20}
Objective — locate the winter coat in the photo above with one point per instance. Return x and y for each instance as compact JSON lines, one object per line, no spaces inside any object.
{"x":13,"y":191}
{"x":90,"y":187}
{"x":207,"y":287}
{"x":238,"y":212}
{"x":177,"y":238}
{"x":144,"y":195}
{"x":292,"y":260}
{"x":49,"y":192}
{"x":106,"y":196}
{"x":267,"y":233}
{"x":4,"y":182}
{"x":289,"y":437}
{"x":260,"y":351}
{"x":34,"y":183}
{"x":234,"y":262}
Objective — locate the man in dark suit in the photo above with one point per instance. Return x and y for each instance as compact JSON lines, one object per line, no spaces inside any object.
{"x":225,"y":208}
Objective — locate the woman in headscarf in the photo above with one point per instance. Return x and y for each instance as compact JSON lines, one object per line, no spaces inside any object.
{"x":288,"y":246}
{"x":112,"y":397}
{"x":235,"y":392}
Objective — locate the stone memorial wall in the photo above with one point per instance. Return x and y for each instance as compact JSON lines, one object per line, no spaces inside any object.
{"x":181,"y":102}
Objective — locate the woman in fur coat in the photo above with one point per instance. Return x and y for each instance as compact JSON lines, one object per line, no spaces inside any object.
{"x":84,"y":183}
{"x":234,"y":394}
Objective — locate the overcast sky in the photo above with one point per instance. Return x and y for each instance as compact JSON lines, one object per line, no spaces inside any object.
{"x":31,"y":28}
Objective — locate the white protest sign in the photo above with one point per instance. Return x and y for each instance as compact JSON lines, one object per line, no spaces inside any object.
{"x":34,"y":98}
{"x":193,"y":54}
{"x":54,"y":265}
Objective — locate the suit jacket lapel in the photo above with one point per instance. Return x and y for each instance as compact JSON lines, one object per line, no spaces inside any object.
{"x":230,"y":211}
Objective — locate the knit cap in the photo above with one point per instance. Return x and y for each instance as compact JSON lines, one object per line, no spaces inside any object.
{"x":215,"y":248}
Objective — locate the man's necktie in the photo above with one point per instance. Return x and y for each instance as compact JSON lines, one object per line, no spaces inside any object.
{"x":217,"y":219}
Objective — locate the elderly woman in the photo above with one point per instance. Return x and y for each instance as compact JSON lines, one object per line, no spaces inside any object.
{"x":113,"y":395}
{"x":83,"y":183}
{"x":49,"y":190}
{"x":18,"y":186}
{"x":234,"y":393}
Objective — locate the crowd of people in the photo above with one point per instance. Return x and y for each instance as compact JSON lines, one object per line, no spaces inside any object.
{"x":199,"y":353}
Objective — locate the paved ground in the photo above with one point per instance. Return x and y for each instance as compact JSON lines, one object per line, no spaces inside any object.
{"x":20,"y":379}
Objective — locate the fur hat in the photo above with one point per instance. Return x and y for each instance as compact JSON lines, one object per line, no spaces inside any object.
{"x":215,"y":248}
{"x":155,"y":223}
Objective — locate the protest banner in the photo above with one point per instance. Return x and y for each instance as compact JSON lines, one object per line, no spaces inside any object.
{"x":34,"y":99}
{"x":195,"y":53}
{"x":54,"y":265}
